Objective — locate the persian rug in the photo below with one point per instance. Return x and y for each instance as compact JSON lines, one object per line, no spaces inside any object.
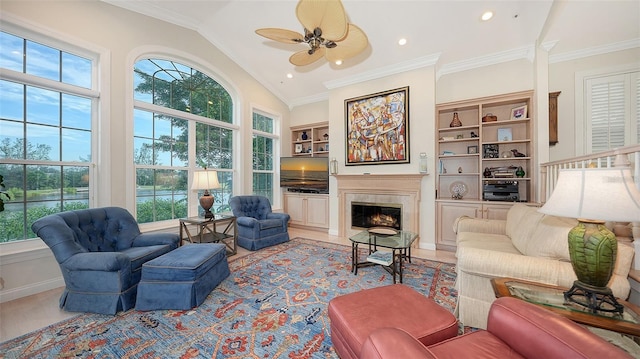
{"x":273,"y":305}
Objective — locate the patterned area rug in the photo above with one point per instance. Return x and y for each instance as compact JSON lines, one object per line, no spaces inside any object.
{"x":273,"y":305}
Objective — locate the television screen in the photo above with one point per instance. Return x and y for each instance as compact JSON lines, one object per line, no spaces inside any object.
{"x":305,"y":174}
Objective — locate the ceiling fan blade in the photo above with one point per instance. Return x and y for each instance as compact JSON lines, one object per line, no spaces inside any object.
{"x":302,"y":58}
{"x":281,"y":35}
{"x":355,"y":42}
{"x":328,"y":15}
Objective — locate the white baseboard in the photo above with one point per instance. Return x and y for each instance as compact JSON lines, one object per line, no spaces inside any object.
{"x":429,"y":246}
{"x":31,"y":289}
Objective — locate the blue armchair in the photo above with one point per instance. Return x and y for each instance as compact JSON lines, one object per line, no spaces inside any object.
{"x":258,"y":226}
{"x":100,"y":252}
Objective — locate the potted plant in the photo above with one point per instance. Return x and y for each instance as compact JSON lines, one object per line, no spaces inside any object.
{"x":3,"y":193}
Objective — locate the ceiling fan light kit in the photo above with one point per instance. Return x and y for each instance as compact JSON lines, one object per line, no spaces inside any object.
{"x":326,"y":30}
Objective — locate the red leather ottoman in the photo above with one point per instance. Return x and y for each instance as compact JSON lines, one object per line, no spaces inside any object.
{"x":354,"y":316}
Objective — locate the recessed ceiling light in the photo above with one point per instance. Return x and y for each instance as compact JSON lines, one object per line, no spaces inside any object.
{"x":338,"y":62}
{"x":402,"y":41}
{"x":289,"y":76}
{"x":487,"y":16}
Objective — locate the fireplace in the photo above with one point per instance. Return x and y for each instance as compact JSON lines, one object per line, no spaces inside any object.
{"x":402,"y":189}
{"x":367,"y":215}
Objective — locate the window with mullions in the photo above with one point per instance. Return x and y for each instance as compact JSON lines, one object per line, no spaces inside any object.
{"x":168,"y":144}
{"x":263,"y":155}
{"x":45,"y":132}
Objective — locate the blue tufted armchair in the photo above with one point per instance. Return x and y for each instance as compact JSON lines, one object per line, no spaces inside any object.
{"x":258,"y":226}
{"x":100,"y":252}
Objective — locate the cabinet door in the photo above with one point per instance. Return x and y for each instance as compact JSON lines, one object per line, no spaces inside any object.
{"x":318,"y":212}
{"x":447,"y":214}
{"x":295,"y":207}
{"x":495,"y":211}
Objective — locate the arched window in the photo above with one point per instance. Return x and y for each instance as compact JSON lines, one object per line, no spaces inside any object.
{"x":183,"y":121}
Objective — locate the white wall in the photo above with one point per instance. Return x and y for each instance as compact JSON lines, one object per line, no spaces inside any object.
{"x":29,"y":267}
{"x":421,"y":126}
{"x":513,"y":76}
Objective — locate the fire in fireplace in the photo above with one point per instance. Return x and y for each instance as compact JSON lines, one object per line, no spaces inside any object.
{"x":367,"y":215}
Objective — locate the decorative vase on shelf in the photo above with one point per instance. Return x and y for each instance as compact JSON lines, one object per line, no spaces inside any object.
{"x":456,"y":121}
{"x":304,"y":135}
{"x":520,"y":172}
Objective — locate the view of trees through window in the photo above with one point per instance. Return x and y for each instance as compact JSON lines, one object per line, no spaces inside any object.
{"x":165,"y":141}
{"x":45,"y":133}
{"x":183,"y":121}
{"x":263,"y":147}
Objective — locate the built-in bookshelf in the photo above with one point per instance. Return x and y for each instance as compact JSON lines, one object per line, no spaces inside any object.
{"x":485,"y":152}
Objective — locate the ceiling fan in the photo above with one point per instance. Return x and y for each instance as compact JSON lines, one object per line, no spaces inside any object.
{"x":326,"y":30}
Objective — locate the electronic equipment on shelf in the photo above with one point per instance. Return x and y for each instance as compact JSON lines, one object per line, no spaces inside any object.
{"x":501,"y":191}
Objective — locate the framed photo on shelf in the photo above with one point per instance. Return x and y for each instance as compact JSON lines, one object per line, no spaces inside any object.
{"x":490,"y":151}
{"x":504,"y":134}
{"x":378,"y":128}
{"x":298,"y":147}
{"x":472,"y":150}
{"x":519,"y":113}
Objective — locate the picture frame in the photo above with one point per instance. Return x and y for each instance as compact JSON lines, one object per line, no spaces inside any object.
{"x":519,"y":113}
{"x":377,"y":128}
{"x":505,"y":134}
{"x":298,"y":148}
{"x":472,"y":150}
{"x":490,"y":151}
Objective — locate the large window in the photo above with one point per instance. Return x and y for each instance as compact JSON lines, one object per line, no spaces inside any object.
{"x":612,"y":111}
{"x":48,"y":106}
{"x":264,"y":143}
{"x":183,"y":121}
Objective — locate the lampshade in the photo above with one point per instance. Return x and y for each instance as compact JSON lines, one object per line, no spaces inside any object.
{"x":206,"y":179}
{"x":606,"y":194}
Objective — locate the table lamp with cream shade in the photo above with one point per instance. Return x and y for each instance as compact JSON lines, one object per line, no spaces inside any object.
{"x":593,"y":196}
{"x":205,"y":180}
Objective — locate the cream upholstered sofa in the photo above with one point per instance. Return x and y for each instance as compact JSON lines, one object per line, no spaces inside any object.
{"x":527,"y":245}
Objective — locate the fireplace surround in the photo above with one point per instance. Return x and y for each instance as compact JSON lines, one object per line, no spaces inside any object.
{"x":402,"y":189}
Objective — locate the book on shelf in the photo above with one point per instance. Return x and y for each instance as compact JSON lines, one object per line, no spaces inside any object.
{"x":381,"y":257}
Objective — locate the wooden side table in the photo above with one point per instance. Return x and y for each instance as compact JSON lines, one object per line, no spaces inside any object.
{"x":551,"y":297}
{"x":219,"y":229}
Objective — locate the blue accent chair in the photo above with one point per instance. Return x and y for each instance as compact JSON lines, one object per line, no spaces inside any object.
{"x":100,"y":252}
{"x":258,"y":226}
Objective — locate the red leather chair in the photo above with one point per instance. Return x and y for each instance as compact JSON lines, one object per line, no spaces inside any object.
{"x":515,"y":329}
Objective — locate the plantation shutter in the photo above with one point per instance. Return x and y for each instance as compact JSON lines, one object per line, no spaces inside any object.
{"x":606,"y":113}
{"x":637,"y":106}
{"x":613,"y":111}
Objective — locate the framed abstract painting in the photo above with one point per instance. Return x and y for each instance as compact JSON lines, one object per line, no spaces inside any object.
{"x":378,"y":128}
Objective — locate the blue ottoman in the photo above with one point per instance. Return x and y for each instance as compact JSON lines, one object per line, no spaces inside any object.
{"x":182,"y":278}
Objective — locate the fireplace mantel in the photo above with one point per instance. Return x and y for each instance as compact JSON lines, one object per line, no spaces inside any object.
{"x":404,"y":188}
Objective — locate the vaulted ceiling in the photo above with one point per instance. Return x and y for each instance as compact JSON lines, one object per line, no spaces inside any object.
{"x":446,"y":34}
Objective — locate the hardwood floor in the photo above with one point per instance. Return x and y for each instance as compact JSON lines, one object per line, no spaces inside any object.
{"x":25,"y":315}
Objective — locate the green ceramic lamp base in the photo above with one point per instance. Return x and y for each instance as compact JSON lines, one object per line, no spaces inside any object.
{"x":593,"y":248}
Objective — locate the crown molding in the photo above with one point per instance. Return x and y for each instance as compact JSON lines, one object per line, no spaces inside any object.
{"x":309,"y":99}
{"x":525,"y":52}
{"x":547,"y":46}
{"x":148,"y":8}
{"x":593,"y":51}
{"x":393,"y":69}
